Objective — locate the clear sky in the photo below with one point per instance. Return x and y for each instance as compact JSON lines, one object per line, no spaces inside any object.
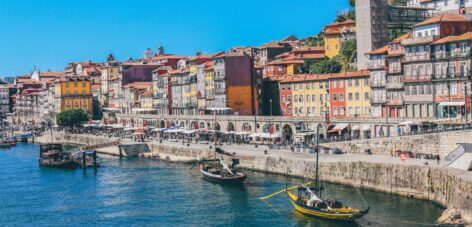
{"x":49,"y":33}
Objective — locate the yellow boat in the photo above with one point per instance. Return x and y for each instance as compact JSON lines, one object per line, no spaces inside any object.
{"x":333,"y":210}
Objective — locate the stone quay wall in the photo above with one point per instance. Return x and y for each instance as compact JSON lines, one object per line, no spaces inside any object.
{"x":437,"y":143}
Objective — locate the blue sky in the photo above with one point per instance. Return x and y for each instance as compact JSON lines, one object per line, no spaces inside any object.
{"x":49,"y":33}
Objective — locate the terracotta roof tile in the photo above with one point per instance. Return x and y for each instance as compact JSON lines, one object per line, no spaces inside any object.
{"x":444,"y":18}
{"x":449,"y":39}
{"x":382,"y":50}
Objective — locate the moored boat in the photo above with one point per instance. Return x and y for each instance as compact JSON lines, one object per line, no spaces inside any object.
{"x":217,"y":170}
{"x":308,"y":203}
{"x":52,"y":155}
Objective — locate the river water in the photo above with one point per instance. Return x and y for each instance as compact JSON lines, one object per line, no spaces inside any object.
{"x":134,"y":192}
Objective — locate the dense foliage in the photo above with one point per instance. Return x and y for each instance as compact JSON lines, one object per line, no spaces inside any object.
{"x":72,"y":118}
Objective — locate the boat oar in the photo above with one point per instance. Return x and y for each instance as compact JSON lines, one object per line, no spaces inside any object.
{"x":281,"y":191}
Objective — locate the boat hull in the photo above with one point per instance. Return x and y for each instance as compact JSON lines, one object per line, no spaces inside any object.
{"x":222,"y":179}
{"x":315,"y":212}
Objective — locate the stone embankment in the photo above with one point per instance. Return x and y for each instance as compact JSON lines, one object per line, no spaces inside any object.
{"x":437,"y":143}
{"x":446,"y":186}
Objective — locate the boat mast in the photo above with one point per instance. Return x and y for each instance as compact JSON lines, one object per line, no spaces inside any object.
{"x":317,"y":177}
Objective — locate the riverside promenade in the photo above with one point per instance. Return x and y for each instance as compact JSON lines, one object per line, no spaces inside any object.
{"x":449,"y":187}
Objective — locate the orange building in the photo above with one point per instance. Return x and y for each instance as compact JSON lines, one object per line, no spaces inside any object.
{"x":73,"y":92}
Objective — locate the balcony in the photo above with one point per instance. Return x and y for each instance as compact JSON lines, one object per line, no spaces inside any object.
{"x":395,"y":102}
{"x":377,"y":83}
{"x":394,"y":85}
{"x":413,"y":79}
{"x":395,"y":70}
{"x":378,"y":101}
{"x":413,"y":58}
{"x":377,"y":65}
{"x":220,"y":91}
{"x":419,"y":40}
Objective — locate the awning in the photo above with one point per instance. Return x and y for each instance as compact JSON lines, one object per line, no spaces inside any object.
{"x":175,"y":131}
{"x":128,"y":129}
{"x":406,"y":123}
{"x":265,"y":135}
{"x":356,"y":128}
{"x":243,"y":133}
{"x":366,"y":128}
{"x":339,"y":127}
{"x":451,"y":104}
{"x":159,"y":129}
{"x":216,"y":109}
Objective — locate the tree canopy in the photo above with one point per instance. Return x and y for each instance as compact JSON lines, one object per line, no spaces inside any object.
{"x":323,"y":66}
{"x":71,"y":118}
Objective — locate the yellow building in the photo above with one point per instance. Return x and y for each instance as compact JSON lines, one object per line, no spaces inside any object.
{"x":146,"y":100}
{"x":335,"y":34}
{"x":358,"y":95}
{"x":73,"y":92}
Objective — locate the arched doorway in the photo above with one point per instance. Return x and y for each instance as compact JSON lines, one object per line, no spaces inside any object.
{"x":230,"y":127}
{"x":162,"y":124}
{"x":246,"y":127}
{"x":266,"y":128}
{"x":217,"y":127}
{"x":287,"y":134}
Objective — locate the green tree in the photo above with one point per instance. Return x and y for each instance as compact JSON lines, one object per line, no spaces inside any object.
{"x":352,"y":3}
{"x":317,"y":40}
{"x":71,"y":118}
{"x":321,"y":67}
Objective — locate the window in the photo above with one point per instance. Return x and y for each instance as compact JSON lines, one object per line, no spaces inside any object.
{"x":84,"y":93}
{"x":358,"y":110}
{"x":313,"y":98}
{"x":335,"y":111}
{"x":300,"y":98}
{"x":367,"y":110}
{"x":76,"y":84}
{"x":357,"y":82}
{"x":283,"y":87}
{"x":300,"y":110}
{"x":295,"y":87}
{"x":313,"y":110}
{"x":366,"y":96}
{"x":366,"y":82}
{"x":453,"y":49}
{"x":289,"y":98}
{"x":289,"y":87}
{"x":349,"y":96}
{"x":283,"y":110}
{"x":313,"y":85}
{"x":321,"y":84}
{"x":351,"y":111}
{"x":76,"y":93}
{"x":341,"y":84}
{"x":335,"y":97}
{"x":413,"y":90}
{"x":283,"y":98}
{"x":357,"y":96}
{"x":67,"y":93}
{"x":341,"y":111}
{"x":300,"y":86}
{"x":308,"y":98}
{"x":341,"y":96}
{"x":349,"y":83}
{"x":334,"y":84}
{"x":421,"y":89}
{"x":326,"y":84}
{"x":308,"y":110}
{"x":67,"y":84}
{"x":84,"y":84}
{"x":307,"y":86}
{"x":295,"y":98}
{"x":327,"y":97}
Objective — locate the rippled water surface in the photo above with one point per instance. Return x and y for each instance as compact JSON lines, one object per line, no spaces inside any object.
{"x":143,"y":192}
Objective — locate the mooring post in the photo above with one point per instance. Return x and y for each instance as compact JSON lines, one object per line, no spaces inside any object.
{"x":95,"y":160}
{"x":84,"y":161}
{"x":120,"y":151}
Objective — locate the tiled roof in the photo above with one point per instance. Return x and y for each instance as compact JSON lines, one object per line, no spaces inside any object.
{"x":138,"y":85}
{"x":450,"y":39}
{"x":317,"y":77}
{"x":444,"y":18}
{"x":346,"y":22}
{"x":400,"y":38}
{"x":382,"y":50}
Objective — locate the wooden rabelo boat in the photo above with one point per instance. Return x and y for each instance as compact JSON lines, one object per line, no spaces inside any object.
{"x":216,"y":170}
{"x":308,"y":200}
{"x":52,"y":155}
